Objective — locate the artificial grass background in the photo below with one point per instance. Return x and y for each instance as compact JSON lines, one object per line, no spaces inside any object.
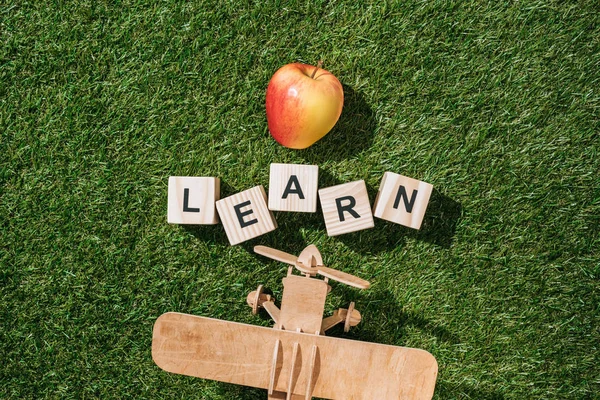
{"x":495,"y":104}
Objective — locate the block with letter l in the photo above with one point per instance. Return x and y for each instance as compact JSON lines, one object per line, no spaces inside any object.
{"x":245,"y":215}
{"x":293,"y":187}
{"x":402,"y":200}
{"x":191,"y":200}
{"x":346,"y":208}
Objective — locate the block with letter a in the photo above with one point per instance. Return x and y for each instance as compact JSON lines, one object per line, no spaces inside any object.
{"x":293,"y":187}
{"x":245,"y":215}
{"x":402,"y":200}
{"x":191,"y":200}
{"x":346,"y":208}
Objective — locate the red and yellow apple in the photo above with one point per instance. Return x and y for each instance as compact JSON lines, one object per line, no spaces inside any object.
{"x":303,"y":104}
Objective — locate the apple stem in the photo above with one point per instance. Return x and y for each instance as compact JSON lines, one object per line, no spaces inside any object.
{"x":319,"y":65}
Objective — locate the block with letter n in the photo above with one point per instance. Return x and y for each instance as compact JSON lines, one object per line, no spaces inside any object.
{"x":402,"y":200}
{"x":346,"y":208}
{"x":245,"y":215}
{"x":293,"y":187}
{"x":191,"y":200}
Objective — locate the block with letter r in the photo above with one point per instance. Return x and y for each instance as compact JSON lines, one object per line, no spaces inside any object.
{"x":346,"y":208}
{"x":402,"y":200}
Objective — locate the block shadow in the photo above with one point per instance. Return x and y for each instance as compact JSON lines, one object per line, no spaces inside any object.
{"x":438,"y":227}
{"x":214,"y":234}
{"x":353,"y":133}
{"x":440,"y":221}
{"x":291,"y":233}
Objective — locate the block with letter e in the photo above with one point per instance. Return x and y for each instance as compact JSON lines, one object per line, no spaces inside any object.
{"x":346,"y":208}
{"x":402,"y":200}
{"x":245,"y":215}
{"x":191,"y":200}
{"x":293,"y":187}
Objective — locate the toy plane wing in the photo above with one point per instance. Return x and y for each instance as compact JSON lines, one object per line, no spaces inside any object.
{"x":299,"y":364}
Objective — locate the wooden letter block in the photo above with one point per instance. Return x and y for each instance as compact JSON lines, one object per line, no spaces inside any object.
{"x":245,"y":215}
{"x":402,"y":200}
{"x":293,"y":187}
{"x":191,"y":200}
{"x":346,"y":208}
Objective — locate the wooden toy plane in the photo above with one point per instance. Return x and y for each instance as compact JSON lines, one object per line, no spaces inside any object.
{"x":295,"y":360}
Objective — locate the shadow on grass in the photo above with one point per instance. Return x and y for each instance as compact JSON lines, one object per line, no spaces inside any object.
{"x":445,"y":390}
{"x":442,"y":390}
{"x":289,"y":236}
{"x":385,"y":320}
{"x":230,"y":391}
{"x":213,"y":233}
{"x":352,"y":134}
{"x":207,"y":233}
{"x":438,"y":226}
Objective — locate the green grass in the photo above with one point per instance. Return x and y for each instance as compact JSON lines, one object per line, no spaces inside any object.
{"x":496,"y":104}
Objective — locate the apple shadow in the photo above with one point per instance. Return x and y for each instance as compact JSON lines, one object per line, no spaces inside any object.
{"x":353,"y":133}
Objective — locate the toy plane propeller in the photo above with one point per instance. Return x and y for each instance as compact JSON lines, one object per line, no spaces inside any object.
{"x":295,"y":360}
{"x":310,"y":262}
